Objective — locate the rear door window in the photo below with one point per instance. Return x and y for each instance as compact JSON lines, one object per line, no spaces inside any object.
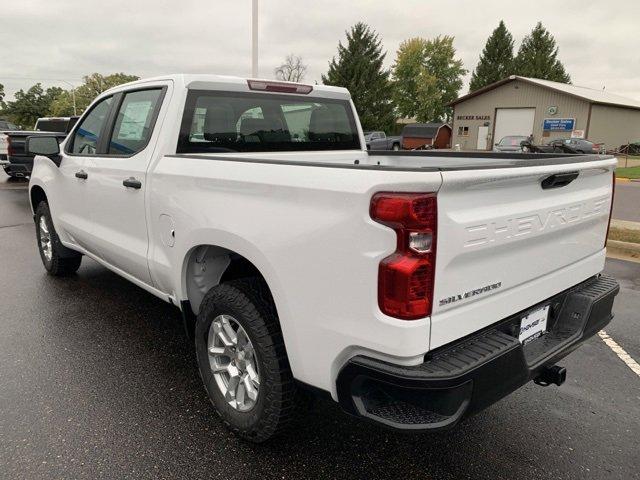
{"x":241,"y":122}
{"x":134,"y":123}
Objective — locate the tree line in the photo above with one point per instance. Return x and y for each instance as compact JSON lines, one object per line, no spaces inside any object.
{"x":37,"y":101}
{"x":424,"y":78}
{"x":426,"y":75}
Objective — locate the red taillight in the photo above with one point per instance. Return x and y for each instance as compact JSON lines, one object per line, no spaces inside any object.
{"x":9,"y":147}
{"x":613,"y":197}
{"x":281,"y":87}
{"x":405,"y":278}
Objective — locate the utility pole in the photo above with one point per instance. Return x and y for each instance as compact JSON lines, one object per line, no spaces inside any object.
{"x":73,"y":95}
{"x":254,"y":39}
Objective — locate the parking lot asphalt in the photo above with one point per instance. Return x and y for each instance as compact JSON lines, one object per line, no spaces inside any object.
{"x":97,"y":380}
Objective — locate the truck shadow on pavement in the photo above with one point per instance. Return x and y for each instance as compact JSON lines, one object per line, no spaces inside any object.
{"x":132,"y":386}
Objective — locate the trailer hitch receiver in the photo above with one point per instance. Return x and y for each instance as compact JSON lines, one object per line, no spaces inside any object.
{"x":554,"y":374}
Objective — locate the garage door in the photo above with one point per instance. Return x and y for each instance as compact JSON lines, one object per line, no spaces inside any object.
{"x":514,"y":121}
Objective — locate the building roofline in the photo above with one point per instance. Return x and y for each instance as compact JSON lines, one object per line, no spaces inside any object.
{"x":538,"y":83}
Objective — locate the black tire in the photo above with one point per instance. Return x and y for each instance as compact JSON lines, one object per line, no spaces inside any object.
{"x":63,"y":261}
{"x":249,"y":302}
{"x":395,"y":147}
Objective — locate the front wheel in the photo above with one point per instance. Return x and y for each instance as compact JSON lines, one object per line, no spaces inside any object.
{"x":57,"y":259}
{"x":243,"y":361}
{"x":395,"y":147}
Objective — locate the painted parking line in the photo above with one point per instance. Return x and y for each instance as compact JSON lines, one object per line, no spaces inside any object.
{"x":620,"y":352}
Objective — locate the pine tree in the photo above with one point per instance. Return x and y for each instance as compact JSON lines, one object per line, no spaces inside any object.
{"x":538,"y":57}
{"x":496,"y":60}
{"x":359,"y":68}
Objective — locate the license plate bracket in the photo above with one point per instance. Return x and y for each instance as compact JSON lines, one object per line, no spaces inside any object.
{"x":533,"y":325}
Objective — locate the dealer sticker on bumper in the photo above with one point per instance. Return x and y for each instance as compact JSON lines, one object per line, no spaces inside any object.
{"x":533,"y":325}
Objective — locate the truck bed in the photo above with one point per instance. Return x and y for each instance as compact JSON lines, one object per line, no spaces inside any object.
{"x":450,"y":160}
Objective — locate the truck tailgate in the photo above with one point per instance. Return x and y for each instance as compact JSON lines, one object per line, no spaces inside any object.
{"x":506,"y":243}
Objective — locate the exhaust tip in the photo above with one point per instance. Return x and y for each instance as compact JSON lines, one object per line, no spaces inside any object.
{"x":551,"y":375}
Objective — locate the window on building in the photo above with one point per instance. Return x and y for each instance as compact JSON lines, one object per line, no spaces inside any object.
{"x":463,"y":131}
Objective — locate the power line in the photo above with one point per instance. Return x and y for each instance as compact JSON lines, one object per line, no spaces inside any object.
{"x":66,"y":80}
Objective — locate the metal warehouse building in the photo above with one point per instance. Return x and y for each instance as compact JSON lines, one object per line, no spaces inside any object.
{"x":544,"y":109}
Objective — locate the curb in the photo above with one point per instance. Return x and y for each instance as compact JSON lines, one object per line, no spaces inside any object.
{"x":624,"y":225}
{"x":626,"y":180}
{"x":624,"y":248}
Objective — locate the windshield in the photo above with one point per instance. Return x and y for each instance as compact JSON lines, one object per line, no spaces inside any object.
{"x":513,"y":141}
{"x":252,"y":122}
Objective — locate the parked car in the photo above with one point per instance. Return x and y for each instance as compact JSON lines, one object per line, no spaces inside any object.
{"x":575,"y":145}
{"x":6,"y":126}
{"x":303,"y":263}
{"x":511,"y":143}
{"x":563,"y":145}
{"x":380,"y":141}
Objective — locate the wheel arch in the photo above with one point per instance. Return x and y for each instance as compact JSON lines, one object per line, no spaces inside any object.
{"x":206,"y":266}
{"x":37,"y":195}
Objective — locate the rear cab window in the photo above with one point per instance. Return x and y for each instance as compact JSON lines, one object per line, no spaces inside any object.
{"x":57,"y":125}
{"x":219,"y":122}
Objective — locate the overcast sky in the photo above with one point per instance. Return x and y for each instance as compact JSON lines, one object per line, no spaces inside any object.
{"x":48,"y":41}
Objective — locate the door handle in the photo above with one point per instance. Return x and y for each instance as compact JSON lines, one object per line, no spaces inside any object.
{"x":82,"y":174}
{"x":132,"y":183}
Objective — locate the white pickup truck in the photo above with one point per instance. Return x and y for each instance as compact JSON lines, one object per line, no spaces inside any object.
{"x":414,"y":288}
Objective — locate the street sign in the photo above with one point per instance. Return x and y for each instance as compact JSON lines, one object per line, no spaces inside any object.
{"x":559,"y":124}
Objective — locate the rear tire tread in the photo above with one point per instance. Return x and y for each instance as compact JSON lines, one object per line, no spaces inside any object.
{"x":252,"y":298}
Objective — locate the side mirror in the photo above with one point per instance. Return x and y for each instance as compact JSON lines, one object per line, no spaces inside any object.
{"x":45,"y":145}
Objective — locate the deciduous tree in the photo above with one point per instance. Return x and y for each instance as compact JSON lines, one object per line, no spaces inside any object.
{"x":426,"y":77}
{"x":30,"y":105}
{"x":292,"y":70}
{"x":92,"y":86}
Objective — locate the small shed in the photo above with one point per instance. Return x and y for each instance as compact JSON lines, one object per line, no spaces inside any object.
{"x":419,"y":135}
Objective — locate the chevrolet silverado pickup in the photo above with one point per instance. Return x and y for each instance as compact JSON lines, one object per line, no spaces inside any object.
{"x":413,"y":288}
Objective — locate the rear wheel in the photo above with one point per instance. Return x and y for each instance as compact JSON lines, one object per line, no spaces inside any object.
{"x":395,"y":147}
{"x":243,"y":361}
{"x":56,"y":258}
